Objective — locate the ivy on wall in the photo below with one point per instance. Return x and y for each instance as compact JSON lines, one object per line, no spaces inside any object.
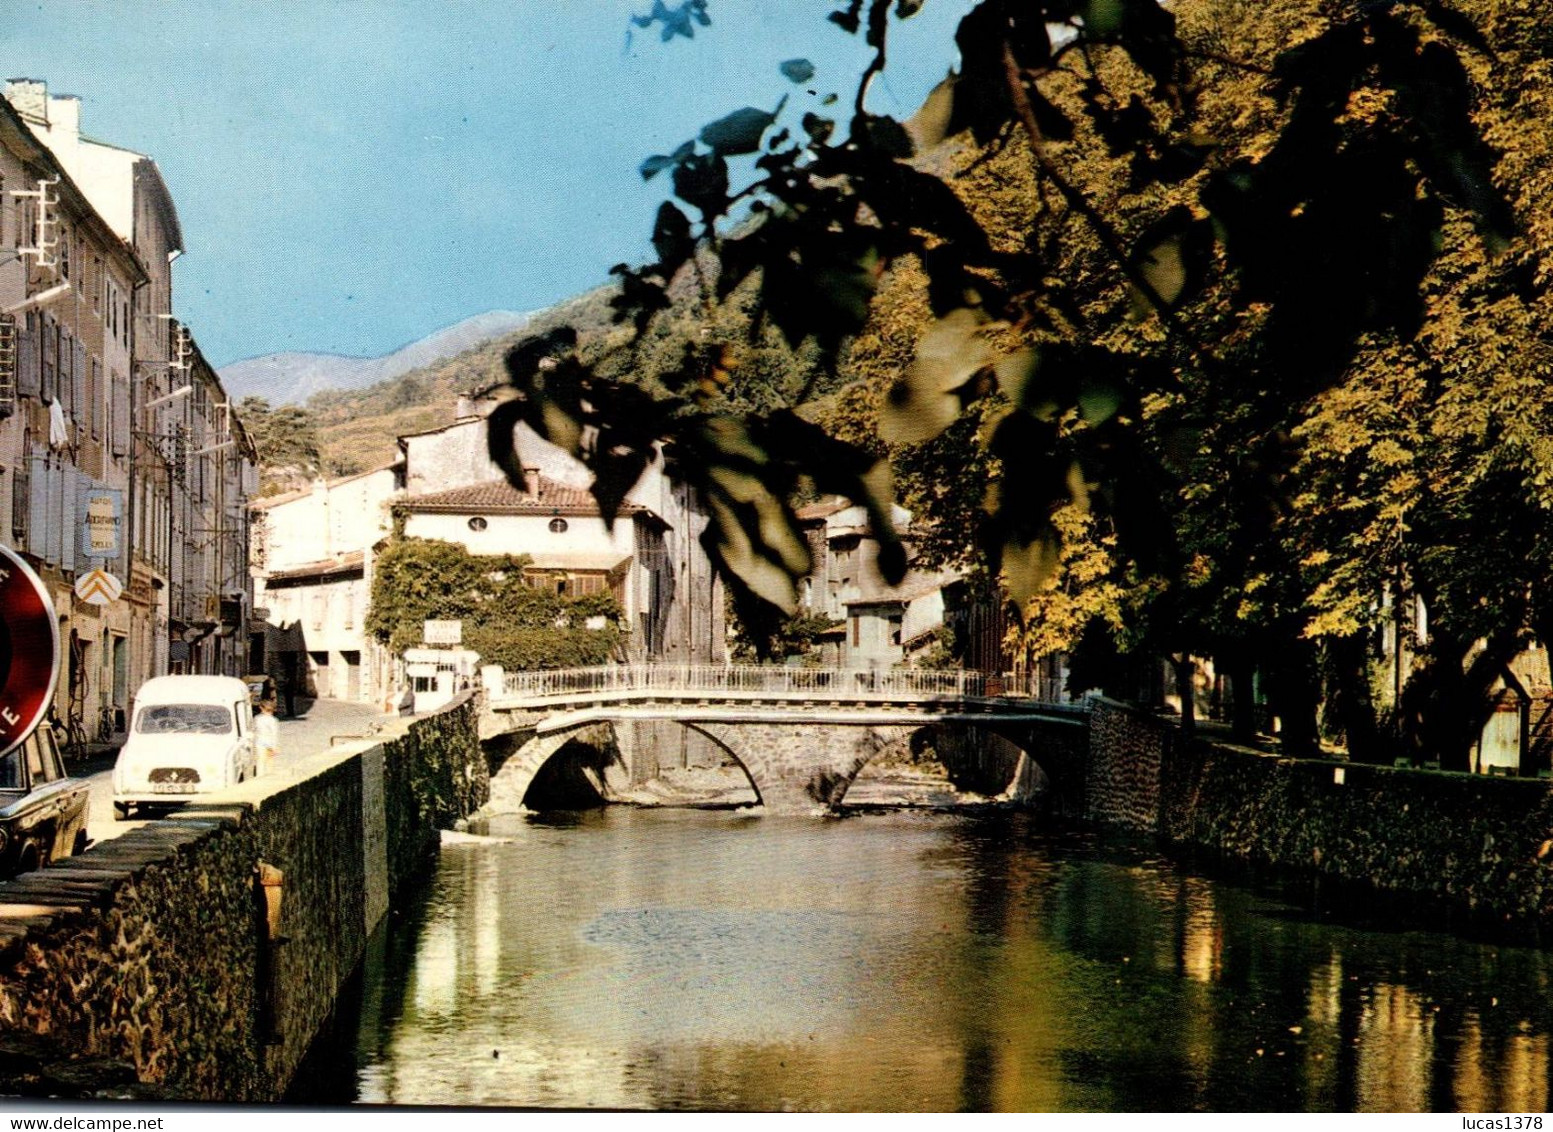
{"x":505,"y":619}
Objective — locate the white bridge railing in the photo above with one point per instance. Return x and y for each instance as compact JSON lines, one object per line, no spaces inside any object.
{"x":712,"y":679}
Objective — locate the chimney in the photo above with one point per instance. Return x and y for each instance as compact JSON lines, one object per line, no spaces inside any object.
{"x":65,"y":115}
{"x":30,"y":97}
{"x":531,"y":481}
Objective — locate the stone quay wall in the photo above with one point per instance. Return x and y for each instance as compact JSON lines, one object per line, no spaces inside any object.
{"x":1478,"y":850}
{"x":1128,"y":749}
{"x":158,"y":965}
{"x":1472,"y":847}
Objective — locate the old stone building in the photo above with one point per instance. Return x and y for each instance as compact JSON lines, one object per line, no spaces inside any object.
{"x":312,"y":553}
{"x":652,"y":560}
{"x":121,"y":452}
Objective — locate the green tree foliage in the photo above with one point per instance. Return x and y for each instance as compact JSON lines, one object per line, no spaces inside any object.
{"x":799,"y":635}
{"x":1219,"y":329}
{"x":506,"y":620}
{"x":286,"y":439}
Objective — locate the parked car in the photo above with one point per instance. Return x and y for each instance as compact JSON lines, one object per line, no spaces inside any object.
{"x":42,"y":810}
{"x":190,"y":735}
{"x":261,"y":687}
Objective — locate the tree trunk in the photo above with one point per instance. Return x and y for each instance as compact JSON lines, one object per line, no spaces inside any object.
{"x":1238,"y":668}
{"x":1352,"y":701}
{"x":1185,"y":670}
{"x":1294,"y":698}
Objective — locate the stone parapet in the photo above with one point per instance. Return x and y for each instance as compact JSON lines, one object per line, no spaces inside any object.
{"x":1473,"y":849}
{"x":160,"y":964}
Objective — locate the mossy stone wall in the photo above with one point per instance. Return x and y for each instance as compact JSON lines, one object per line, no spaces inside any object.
{"x":145,"y":966}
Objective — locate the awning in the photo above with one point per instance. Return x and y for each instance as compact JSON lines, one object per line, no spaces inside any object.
{"x":603,"y":561}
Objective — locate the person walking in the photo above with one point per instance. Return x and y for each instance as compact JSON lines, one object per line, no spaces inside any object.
{"x":266,"y":733}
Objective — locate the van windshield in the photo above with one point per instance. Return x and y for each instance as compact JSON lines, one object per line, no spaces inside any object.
{"x":184,"y":719}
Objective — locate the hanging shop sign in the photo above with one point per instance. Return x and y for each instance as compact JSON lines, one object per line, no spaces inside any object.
{"x":102,"y":516}
{"x":29,"y":650}
{"x":98,"y":587}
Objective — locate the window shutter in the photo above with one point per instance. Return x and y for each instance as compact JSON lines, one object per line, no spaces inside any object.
{"x":78,"y":392}
{"x":27,"y":358}
{"x":94,"y":395}
{"x":120,"y":413}
{"x":21,"y":506}
{"x":69,"y":535}
{"x":38,"y":508}
{"x":50,"y":359}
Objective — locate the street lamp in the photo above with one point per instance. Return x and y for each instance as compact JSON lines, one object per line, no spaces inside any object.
{"x":181,"y":391}
{"x":38,"y":300}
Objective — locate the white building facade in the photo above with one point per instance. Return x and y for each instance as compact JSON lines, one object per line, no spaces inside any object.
{"x":311,"y":559}
{"x":109,"y":468}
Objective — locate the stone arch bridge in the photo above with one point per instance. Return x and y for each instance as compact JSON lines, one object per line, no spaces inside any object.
{"x":800,"y":735}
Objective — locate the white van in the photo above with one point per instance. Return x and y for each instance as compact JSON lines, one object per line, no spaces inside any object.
{"x":189,"y":735}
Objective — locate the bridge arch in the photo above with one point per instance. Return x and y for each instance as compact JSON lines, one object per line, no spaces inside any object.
{"x":511,"y":785}
{"x":980,"y":760}
{"x":810,"y":769}
{"x":802,"y":770}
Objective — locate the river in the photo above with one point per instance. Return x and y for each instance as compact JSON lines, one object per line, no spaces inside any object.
{"x":661,"y":959}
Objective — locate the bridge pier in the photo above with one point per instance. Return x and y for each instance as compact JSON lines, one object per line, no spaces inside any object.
{"x":801,"y":737}
{"x":802,"y":770}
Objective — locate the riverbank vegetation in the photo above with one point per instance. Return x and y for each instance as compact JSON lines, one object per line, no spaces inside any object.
{"x":1217,"y":330}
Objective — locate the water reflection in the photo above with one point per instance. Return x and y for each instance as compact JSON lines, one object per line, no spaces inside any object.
{"x":653,"y":959}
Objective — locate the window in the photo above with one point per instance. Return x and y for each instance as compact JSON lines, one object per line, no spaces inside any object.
{"x":20,"y":492}
{"x":35,"y":764}
{"x":584,"y":585}
{"x":97,"y":272}
{"x":11,"y":770}
{"x":184,"y":719}
{"x":64,"y":252}
{"x":558,"y":526}
{"x":478,"y":523}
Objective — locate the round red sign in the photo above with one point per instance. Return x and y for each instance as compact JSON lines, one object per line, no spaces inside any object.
{"x":29,"y":650}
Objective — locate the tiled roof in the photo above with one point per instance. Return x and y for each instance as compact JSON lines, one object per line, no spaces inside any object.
{"x":823,"y":509}
{"x":347,"y":563}
{"x":499,"y":497}
{"x":915,"y":585}
{"x":264,"y":503}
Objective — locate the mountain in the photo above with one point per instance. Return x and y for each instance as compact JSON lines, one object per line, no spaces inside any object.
{"x":291,"y":378}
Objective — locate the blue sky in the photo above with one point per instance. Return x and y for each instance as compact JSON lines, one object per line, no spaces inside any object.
{"x":351,"y":176}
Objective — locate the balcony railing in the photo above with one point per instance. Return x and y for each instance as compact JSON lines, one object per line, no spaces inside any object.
{"x":772,"y":679}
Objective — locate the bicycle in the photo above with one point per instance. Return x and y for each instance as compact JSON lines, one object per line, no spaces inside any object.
{"x":75,"y":736}
{"x":107,"y":719}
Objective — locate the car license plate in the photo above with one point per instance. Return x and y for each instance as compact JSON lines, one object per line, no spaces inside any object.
{"x":172,"y":787}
